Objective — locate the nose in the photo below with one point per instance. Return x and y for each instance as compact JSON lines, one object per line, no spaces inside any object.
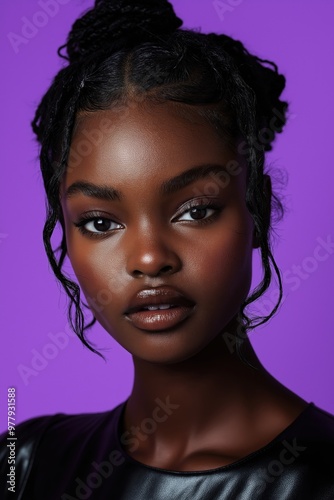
{"x":152,"y":255}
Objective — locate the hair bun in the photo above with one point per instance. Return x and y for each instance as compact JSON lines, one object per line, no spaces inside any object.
{"x":118,"y":23}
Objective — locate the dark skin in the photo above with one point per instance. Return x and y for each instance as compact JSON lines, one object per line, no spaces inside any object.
{"x":226,"y":408}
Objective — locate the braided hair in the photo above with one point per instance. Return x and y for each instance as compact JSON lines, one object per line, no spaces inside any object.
{"x":120,"y":50}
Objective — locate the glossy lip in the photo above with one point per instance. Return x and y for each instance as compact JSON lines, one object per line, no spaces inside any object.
{"x":181,"y":307}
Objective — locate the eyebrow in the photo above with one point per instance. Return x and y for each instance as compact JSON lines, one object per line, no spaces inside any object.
{"x":189,"y":176}
{"x":172,"y":185}
{"x":91,"y":190}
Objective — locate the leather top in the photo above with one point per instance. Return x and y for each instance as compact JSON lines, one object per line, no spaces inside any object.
{"x":81,"y":457}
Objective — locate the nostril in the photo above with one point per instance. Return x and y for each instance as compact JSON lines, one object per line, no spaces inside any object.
{"x":137,"y":274}
{"x":152,"y":262}
{"x":166,"y":269}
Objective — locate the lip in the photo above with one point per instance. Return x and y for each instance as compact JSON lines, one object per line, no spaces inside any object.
{"x":180,"y":308}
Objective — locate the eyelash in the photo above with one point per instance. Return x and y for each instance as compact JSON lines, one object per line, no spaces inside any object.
{"x":200,"y":204}
{"x":205,"y":204}
{"x":91,"y":217}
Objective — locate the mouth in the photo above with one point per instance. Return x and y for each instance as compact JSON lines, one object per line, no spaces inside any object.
{"x":159,"y":309}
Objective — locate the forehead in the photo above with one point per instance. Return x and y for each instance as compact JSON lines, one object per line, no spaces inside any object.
{"x":143,"y":140}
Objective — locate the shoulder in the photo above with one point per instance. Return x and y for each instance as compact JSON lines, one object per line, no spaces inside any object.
{"x":48,"y":439}
{"x":316,"y":425}
{"x":307,"y":451}
{"x":312,"y":435}
{"x":30,"y":432}
{"x":17,"y":452}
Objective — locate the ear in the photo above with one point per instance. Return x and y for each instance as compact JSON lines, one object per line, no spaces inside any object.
{"x":267,"y":191}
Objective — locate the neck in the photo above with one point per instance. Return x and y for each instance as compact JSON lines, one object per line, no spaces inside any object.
{"x":215,"y":381}
{"x":176,"y":409}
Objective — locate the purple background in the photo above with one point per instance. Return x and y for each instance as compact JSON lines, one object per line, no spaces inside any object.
{"x":297,"y":345}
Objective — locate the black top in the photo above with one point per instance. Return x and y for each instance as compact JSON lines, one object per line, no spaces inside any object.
{"x":71,"y":457}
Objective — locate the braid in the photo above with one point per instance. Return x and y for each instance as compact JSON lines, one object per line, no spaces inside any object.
{"x":119,"y":22}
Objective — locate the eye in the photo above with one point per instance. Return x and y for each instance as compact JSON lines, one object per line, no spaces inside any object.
{"x":197,"y":213}
{"x":96,"y":225}
{"x":199,"y":210}
{"x":101,"y":225}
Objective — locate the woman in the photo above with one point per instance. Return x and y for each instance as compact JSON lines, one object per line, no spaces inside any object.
{"x":153,"y":142}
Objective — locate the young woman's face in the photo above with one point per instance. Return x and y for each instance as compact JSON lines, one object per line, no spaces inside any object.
{"x":160,"y":201}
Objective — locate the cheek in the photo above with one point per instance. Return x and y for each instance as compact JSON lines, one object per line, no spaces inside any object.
{"x":224,"y":271}
{"x":94,"y":268}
